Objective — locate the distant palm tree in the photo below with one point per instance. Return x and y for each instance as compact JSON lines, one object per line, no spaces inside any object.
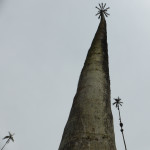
{"x":118,"y":103}
{"x":9,"y":137}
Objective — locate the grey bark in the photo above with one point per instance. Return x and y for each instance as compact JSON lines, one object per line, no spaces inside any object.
{"x":90,"y":123}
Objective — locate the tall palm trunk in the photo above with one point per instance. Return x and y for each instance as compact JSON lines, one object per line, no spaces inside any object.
{"x":90,"y":124}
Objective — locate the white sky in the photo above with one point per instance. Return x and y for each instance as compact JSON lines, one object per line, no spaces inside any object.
{"x":43,"y":45}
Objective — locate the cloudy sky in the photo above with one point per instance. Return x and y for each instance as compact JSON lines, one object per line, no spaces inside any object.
{"x":43,"y":45}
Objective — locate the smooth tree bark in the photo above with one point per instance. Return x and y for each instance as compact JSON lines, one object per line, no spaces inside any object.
{"x":90,"y":123}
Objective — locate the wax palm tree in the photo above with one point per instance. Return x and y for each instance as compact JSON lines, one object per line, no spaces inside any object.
{"x":118,"y":103}
{"x":90,"y":123}
{"x":9,"y":138}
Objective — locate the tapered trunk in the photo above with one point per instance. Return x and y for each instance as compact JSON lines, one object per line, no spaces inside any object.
{"x":90,"y":124}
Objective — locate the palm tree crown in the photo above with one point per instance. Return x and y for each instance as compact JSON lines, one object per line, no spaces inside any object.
{"x":102,"y":10}
{"x":9,"y":137}
{"x":117,"y":102}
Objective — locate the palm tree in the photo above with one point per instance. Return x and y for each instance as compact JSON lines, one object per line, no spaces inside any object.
{"x":90,"y":123}
{"x":9,"y":137}
{"x":119,"y":103}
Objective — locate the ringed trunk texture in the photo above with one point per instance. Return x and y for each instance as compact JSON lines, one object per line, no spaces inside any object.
{"x":90,"y":123}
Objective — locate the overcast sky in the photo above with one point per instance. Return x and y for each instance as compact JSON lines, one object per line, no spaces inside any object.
{"x":43,"y":46}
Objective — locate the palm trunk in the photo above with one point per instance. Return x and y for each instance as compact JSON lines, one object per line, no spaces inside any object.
{"x":90,"y":124}
{"x":5,"y":144}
